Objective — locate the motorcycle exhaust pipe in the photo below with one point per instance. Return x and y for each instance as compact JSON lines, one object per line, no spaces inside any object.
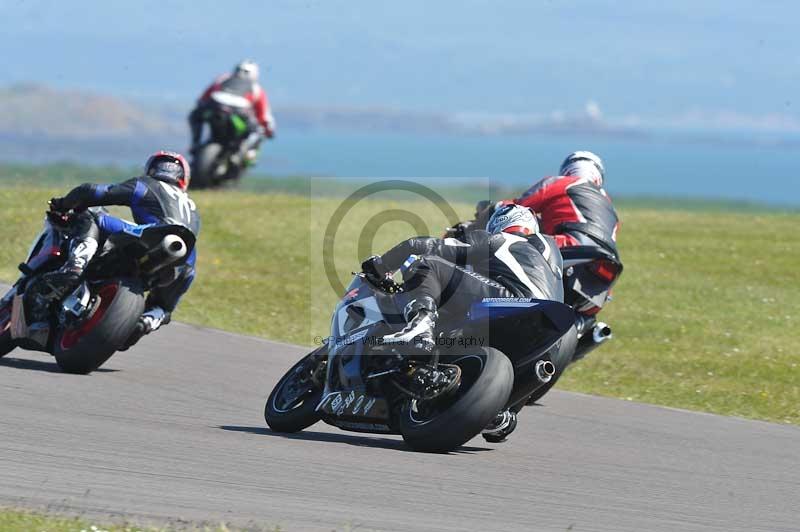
{"x":601,"y":333}
{"x":171,"y":249}
{"x":545,"y":370}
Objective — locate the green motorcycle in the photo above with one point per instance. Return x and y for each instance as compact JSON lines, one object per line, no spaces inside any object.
{"x":230,"y":147}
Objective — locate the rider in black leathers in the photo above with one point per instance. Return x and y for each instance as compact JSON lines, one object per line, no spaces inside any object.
{"x":157,"y":197}
{"x":510,"y":259}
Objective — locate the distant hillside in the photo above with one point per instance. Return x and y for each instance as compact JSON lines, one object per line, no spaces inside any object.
{"x":39,"y":111}
{"x":30,"y":110}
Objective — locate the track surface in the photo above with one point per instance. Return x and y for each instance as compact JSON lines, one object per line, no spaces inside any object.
{"x":174,"y":430}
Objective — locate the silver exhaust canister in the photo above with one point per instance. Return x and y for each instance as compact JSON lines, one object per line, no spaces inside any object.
{"x":601,"y":333}
{"x":174,"y":247}
{"x":545,"y":370}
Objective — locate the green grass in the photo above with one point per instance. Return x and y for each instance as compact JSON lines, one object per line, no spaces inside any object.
{"x":704,"y":316}
{"x":12,"y":520}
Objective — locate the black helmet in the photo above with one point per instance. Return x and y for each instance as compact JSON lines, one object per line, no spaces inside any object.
{"x":170,"y":167}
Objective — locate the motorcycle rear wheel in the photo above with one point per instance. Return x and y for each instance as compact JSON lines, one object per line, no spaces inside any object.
{"x":204,"y":171}
{"x":486,"y":384}
{"x":86,"y":346}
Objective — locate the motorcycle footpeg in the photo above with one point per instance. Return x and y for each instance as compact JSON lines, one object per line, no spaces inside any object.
{"x":499,"y":429}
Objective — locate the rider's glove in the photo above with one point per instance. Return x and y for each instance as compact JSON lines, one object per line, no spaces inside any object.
{"x":378,"y":275}
{"x":57,"y":205}
{"x":373,"y":268}
{"x":459,"y":231}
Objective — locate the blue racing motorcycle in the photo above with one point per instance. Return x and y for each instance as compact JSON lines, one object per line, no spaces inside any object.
{"x":84,"y":328}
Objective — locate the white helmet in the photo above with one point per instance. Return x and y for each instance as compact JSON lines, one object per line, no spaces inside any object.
{"x":584,"y":164}
{"x":247,"y":69}
{"x":511,"y":218}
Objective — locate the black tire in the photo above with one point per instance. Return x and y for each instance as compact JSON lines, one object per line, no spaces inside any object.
{"x":121,"y":303}
{"x":205,"y":166}
{"x":7,"y":344}
{"x":473,"y":409}
{"x":303,"y":414}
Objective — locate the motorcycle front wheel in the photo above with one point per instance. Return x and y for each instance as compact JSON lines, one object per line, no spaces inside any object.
{"x":292,"y":405}
{"x":7,"y":343}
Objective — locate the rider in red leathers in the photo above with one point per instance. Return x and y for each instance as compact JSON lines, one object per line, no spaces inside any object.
{"x":241,"y":90}
{"x":573,"y":206}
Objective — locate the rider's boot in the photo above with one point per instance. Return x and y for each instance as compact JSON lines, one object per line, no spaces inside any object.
{"x":249,"y":148}
{"x":501,"y":426}
{"x":250,"y":157}
{"x":67,"y":278}
{"x":420,"y":315}
{"x":148,"y":322}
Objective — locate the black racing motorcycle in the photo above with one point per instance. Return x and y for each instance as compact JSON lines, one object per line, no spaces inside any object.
{"x":492,"y":359}
{"x":84,"y":328}
{"x":220,"y":158}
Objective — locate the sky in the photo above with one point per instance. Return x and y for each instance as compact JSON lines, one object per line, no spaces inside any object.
{"x":651,"y":59}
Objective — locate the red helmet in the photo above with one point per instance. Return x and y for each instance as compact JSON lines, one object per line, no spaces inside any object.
{"x":170,"y":167}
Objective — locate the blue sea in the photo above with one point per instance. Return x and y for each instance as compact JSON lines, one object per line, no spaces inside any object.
{"x":736,"y":167}
{"x":742,"y":167}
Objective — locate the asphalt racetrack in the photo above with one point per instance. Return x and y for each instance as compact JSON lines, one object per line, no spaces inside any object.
{"x":173,"y":430}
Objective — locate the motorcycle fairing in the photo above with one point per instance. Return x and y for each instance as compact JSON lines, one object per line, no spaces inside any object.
{"x":47,"y":247}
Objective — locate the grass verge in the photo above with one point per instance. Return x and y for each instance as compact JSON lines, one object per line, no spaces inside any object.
{"x":703,"y":318}
{"x":26,"y":521}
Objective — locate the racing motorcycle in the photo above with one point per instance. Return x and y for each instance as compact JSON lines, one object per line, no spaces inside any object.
{"x":84,"y":328}
{"x":221,"y":157}
{"x":590,"y":273}
{"x":492,"y":359}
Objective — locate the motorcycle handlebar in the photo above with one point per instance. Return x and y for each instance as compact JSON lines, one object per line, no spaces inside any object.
{"x":388,"y":285}
{"x":59,"y":218}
